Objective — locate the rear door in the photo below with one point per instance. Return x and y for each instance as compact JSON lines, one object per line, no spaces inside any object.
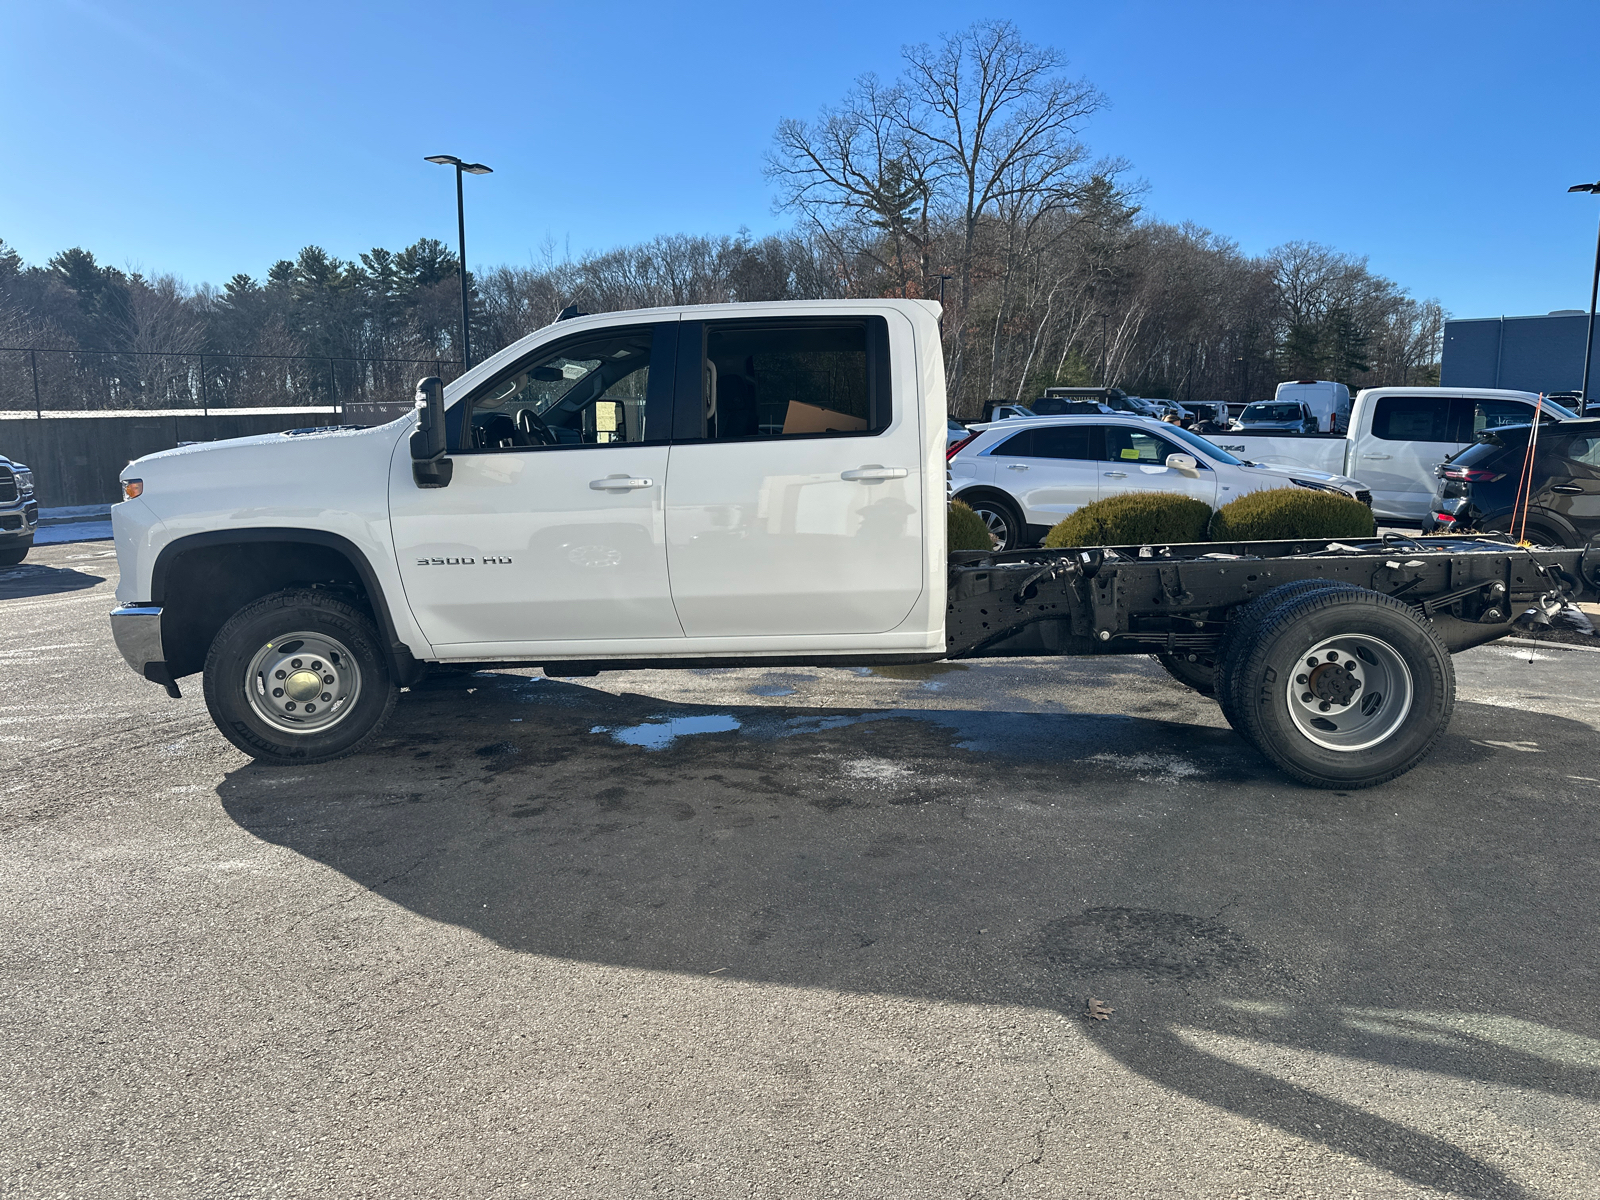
{"x":1050,"y":470}
{"x":1411,"y":435}
{"x":794,"y":500}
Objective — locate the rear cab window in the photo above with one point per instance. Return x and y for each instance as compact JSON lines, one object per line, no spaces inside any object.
{"x":795,"y":377}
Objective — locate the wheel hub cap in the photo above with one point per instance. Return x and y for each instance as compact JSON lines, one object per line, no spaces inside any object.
{"x":303,"y":682}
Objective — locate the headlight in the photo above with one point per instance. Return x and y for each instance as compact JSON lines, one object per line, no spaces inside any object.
{"x":25,"y":482}
{"x":1319,"y":487}
{"x":132,"y":489}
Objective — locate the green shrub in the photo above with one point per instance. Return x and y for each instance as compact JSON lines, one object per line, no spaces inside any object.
{"x":967,"y":530}
{"x":1290,"y":513}
{"x":1133,"y":519}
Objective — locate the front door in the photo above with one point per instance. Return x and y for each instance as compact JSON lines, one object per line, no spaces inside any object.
{"x":1051,"y":470}
{"x":553,"y":527}
{"x":1135,"y":461}
{"x":794,"y":500}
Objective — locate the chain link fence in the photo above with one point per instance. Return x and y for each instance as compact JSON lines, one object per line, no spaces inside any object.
{"x":40,"y":381}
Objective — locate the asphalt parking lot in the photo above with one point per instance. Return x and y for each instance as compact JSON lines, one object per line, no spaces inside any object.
{"x":785,"y":933}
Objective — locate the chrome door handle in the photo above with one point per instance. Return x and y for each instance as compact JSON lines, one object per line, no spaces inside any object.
{"x":1116,"y":474}
{"x":619,"y":483}
{"x":1567,"y":489}
{"x":1016,"y":466}
{"x":867,"y":474}
{"x":1384,"y":456}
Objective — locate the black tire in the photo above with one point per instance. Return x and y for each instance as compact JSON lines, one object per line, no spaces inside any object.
{"x":288,"y":634}
{"x":12,"y":555}
{"x":1241,"y":630}
{"x":1004,"y":521}
{"x":1378,"y":693}
{"x":1195,"y":670}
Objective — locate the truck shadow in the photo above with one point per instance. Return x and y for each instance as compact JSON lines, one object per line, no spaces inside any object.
{"x":36,"y":579}
{"x":1030,"y":859}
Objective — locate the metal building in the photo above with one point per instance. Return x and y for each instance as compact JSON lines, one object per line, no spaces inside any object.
{"x":1532,"y":354}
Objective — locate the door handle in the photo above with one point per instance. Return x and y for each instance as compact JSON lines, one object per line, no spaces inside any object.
{"x":1567,"y":489}
{"x":619,"y":483}
{"x":1375,"y":456}
{"x":868,"y":474}
{"x":1016,"y":466}
{"x":1116,"y":474}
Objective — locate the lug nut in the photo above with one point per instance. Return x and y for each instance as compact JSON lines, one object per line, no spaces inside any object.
{"x":326,"y":696}
{"x":290,"y":706}
{"x":328,"y":679}
{"x":296,"y":662}
{"x":1308,"y":697}
{"x":1302,"y":679}
{"x":277,"y":691}
{"x":278,"y":675}
{"x":1332,"y":657}
{"x":316,"y":665}
{"x":1312,"y":662}
{"x":1325,"y":706}
{"x":310,"y":708}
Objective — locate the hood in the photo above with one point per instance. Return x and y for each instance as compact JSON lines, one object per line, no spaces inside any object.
{"x":1342,"y":482}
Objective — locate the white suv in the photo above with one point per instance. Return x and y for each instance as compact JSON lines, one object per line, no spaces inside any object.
{"x":1025,"y":474}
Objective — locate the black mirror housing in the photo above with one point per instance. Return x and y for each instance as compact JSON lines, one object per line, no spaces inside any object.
{"x":429,"y":466}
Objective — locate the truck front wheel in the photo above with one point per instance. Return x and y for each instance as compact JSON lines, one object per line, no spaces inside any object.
{"x":298,"y":677}
{"x":1344,"y":688}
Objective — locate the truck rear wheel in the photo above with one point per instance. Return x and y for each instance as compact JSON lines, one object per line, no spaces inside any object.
{"x":1344,"y":687}
{"x":1241,"y":631}
{"x":297,"y":678}
{"x":1193,"y":670}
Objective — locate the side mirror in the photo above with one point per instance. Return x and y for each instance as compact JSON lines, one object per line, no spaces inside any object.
{"x":1183,"y":462}
{"x":429,"y":466}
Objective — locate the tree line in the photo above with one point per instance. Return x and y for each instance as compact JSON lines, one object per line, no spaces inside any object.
{"x":965,"y":177}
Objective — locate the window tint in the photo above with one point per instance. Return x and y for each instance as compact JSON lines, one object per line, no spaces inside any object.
{"x":1576,"y":449}
{"x":787,"y":379}
{"x":1136,"y":446}
{"x":1413,"y":419}
{"x":1059,"y":441}
{"x":594,"y":390}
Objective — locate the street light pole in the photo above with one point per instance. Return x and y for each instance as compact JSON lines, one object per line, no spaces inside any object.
{"x":450,"y":160}
{"x":1594,"y":291}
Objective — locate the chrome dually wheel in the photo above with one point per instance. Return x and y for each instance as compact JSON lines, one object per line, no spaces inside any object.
{"x":1350,"y":693}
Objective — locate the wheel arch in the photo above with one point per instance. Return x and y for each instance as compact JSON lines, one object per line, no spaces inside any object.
{"x":204,"y":578}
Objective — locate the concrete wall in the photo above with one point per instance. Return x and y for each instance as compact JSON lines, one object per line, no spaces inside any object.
{"x":1533,"y":354}
{"x":76,"y":460}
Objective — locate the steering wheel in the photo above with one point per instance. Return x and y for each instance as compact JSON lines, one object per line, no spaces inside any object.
{"x":533,"y":425}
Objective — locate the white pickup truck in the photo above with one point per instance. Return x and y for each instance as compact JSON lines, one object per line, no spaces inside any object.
{"x":754,"y":484}
{"x":1396,"y":438}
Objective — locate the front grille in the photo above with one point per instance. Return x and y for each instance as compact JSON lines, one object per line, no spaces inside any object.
{"x":1365,"y":497}
{"x":11,"y":521}
{"x":8,"y":485}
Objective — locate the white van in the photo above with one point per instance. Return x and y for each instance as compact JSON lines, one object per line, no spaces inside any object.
{"x":1329,"y":402}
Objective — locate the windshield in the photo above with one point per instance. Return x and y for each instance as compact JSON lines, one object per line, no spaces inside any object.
{"x":1196,"y":442}
{"x":1272,"y":412}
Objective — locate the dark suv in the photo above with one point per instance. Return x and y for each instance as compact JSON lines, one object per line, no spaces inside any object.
{"x":1480,"y":487}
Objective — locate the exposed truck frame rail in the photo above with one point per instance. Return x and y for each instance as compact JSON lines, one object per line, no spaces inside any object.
{"x":1145,"y":599}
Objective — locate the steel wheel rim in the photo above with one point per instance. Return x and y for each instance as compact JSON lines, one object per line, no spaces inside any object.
{"x":1349,"y":692}
{"x":999,"y":528}
{"x":303,"y":682}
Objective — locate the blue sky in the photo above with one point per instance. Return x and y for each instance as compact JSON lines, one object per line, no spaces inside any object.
{"x":205,"y":138}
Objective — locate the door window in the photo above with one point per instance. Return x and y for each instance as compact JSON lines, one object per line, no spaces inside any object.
{"x":792,"y":378}
{"x":1060,"y":441}
{"x":1414,"y":419}
{"x":596,"y":389}
{"x":1128,"y":445}
{"x":1492,"y":414}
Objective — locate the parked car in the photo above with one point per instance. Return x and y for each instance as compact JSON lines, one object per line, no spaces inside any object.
{"x":19,"y":512}
{"x":1396,"y":437}
{"x":1480,"y":488}
{"x":1328,"y":401}
{"x":1005,"y":412}
{"x":954,"y":431}
{"x":1275,"y":415}
{"x":1022,"y":476}
{"x":1057,"y":406}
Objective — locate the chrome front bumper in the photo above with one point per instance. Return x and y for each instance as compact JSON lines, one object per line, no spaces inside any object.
{"x":137,"y":630}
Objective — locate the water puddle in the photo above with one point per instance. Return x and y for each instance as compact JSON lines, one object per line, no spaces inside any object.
{"x":658,"y":735}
